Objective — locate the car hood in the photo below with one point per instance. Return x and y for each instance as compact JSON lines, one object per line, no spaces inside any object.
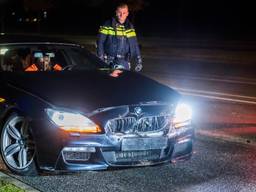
{"x":91,"y":90}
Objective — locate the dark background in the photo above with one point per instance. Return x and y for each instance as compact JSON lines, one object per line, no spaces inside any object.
{"x":177,"y":18}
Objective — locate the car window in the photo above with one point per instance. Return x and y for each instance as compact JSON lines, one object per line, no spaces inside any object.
{"x":47,"y":57}
{"x":84,"y":60}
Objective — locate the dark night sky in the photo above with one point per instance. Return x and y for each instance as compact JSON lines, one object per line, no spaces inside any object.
{"x":234,"y":19}
{"x":201,"y":17}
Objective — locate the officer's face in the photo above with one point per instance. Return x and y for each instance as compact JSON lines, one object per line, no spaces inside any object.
{"x":122,"y":13}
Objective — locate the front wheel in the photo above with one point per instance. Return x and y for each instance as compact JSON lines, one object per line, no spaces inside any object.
{"x":17,"y":146}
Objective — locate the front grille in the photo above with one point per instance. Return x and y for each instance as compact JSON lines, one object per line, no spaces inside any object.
{"x":133,"y":125}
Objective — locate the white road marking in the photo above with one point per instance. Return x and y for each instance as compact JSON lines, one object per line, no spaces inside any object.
{"x":245,"y":81}
{"x":221,"y":80}
{"x":219,"y":98}
{"x":213,"y":93}
{"x":215,"y":77}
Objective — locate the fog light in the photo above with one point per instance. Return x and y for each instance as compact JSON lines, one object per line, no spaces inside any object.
{"x":78,"y":153}
{"x":76,"y":156}
{"x":182,"y":147}
{"x":80,"y":149}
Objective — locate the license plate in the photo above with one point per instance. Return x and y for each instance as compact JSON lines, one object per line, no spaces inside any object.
{"x":140,"y":144}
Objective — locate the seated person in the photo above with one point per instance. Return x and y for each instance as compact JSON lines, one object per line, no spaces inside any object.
{"x":44,"y":64}
{"x":25,"y":58}
{"x":12,"y":61}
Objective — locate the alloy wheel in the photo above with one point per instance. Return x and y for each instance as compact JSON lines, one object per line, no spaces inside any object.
{"x":18,"y":148}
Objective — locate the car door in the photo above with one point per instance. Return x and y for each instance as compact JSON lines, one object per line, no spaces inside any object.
{"x":3,"y":94}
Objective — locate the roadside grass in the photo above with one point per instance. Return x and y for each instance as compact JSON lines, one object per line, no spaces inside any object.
{"x":8,"y":187}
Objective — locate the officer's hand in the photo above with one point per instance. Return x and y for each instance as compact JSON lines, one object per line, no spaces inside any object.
{"x":138,"y":67}
{"x":116,"y":66}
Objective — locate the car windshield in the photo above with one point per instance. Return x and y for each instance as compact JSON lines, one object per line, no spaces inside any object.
{"x":47,"y":57}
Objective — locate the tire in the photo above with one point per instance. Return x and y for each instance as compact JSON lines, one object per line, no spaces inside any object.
{"x":17,"y":146}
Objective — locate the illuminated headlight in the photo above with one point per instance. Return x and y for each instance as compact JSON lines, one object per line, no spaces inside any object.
{"x":182,"y":116}
{"x":72,"y":122}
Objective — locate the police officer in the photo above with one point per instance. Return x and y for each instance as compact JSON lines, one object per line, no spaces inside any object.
{"x":117,"y":43}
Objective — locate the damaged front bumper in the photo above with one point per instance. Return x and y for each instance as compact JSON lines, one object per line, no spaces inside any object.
{"x":98,"y":152}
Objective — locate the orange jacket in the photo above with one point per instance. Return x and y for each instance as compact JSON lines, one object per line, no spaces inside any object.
{"x":33,"y":67}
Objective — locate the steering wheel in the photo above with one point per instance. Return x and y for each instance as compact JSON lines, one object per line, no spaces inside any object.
{"x":68,"y":67}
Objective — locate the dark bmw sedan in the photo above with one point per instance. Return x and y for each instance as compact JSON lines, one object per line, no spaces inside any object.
{"x":63,"y":109}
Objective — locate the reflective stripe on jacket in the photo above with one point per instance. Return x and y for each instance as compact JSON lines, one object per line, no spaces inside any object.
{"x":120,"y":31}
{"x":32,"y":67}
{"x":57,"y":67}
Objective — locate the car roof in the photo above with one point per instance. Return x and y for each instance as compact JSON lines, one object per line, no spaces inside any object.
{"x":27,"y":39}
